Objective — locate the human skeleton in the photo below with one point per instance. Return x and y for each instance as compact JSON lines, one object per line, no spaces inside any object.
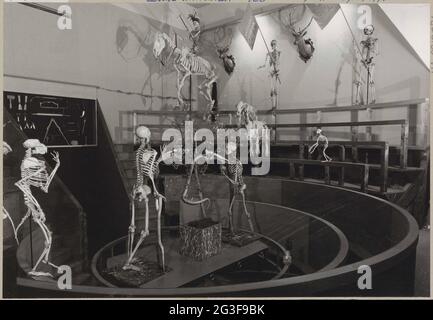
{"x":256,"y":129}
{"x":274,"y":70}
{"x":186,"y":64}
{"x":370,"y":49}
{"x":321,"y":139}
{"x":6,"y":215}
{"x":147,"y":165}
{"x":34,"y":174}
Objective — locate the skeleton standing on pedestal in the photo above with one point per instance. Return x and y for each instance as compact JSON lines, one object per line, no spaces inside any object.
{"x":370,"y":49}
{"x":147,"y":166}
{"x":6,"y":215}
{"x":274,"y":71}
{"x":321,"y":140}
{"x":34,"y":174}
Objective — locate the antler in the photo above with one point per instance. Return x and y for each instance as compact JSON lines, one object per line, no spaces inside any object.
{"x":306,"y":26}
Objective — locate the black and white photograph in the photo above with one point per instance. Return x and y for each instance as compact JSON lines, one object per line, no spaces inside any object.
{"x":196,"y":149}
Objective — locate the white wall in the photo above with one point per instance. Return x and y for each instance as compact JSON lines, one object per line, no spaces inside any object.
{"x":89,"y":54}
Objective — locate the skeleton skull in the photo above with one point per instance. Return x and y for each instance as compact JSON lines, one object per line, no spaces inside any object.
{"x":158,"y":46}
{"x":368,"y":30}
{"x":143,"y":133}
{"x":36,"y":146}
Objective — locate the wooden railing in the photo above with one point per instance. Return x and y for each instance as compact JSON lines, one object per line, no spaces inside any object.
{"x":364,"y":170}
{"x":354,"y":145}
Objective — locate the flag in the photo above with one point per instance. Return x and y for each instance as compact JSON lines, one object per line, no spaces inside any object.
{"x":323,"y":13}
{"x":248,"y":27}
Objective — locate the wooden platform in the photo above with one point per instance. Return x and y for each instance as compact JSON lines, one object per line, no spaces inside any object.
{"x":184,"y":269}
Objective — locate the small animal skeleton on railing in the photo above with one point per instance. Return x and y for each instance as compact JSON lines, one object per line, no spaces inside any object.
{"x":147,"y":166}
{"x":322,"y":140}
{"x":186,"y":63}
{"x":34,"y":174}
{"x":305,"y":46}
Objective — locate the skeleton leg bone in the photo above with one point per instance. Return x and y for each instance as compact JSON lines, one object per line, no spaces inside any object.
{"x":6,"y":215}
{"x":327,"y":158}
{"x":158,"y":231}
{"x":250,"y":222}
{"x":45,"y":253}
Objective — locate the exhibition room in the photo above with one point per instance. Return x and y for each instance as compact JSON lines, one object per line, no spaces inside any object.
{"x":187,"y":149}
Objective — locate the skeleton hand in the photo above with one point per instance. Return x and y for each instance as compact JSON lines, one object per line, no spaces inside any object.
{"x":56,"y":157}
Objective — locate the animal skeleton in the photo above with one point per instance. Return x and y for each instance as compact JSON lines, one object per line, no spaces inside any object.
{"x":186,"y":63}
{"x":6,"y":215}
{"x":321,"y":138}
{"x":222,"y":41}
{"x":256,"y":129}
{"x":147,"y":165}
{"x":34,"y":174}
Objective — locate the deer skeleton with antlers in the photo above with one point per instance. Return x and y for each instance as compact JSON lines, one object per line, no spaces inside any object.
{"x":34,"y":174}
{"x":147,"y":165}
{"x":222,"y":41}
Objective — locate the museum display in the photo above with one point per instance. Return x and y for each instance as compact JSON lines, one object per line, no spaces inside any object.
{"x":321,"y":141}
{"x":369,"y":50}
{"x":147,"y":167}
{"x":171,"y":185}
{"x":186,"y":63}
{"x":34,"y":174}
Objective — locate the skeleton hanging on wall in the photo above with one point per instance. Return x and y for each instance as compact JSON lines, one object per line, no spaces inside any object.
{"x":222,"y":41}
{"x":257,"y":130}
{"x":186,"y":64}
{"x":7,"y":149}
{"x":34,"y":174}
{"x":370,"y":49}
{"x":147,"y":165}
{"x":322,"y":140}
{"x":274,"y":70}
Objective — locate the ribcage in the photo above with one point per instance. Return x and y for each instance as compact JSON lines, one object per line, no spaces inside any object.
{"x":36,"y":180}
{"x":147,"y":165}
{"x":235,"y":172}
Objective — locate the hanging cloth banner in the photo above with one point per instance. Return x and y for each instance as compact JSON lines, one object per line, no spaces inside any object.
{"x":248,"y":27}
{"x":323,"y":13}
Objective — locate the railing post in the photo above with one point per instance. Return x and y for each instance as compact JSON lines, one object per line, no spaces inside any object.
{"x":327,"y":175}
{"x":354,"y":131}
{"x":292,"y":172}
{"x":301,"y":150}
{"x":364,"y":178}
{"x":301,"y":172}
{"x":341,"y":177}
{"x":134,"y":125}
{"x":368,"y":134}
{"x":404,"y":144}
{"x":384,"y":159}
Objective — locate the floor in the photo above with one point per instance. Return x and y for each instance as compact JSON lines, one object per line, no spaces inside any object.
{"x":422,"y":268}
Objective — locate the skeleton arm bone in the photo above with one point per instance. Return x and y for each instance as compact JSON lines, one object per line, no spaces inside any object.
{"x":53,"y":172}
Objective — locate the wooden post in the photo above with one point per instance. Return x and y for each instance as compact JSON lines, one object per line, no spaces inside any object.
{"x":368,"y":134}
{"x":341,"y":177}
{"x":342,"y":169}
{"x":292,"y":171}
{"x":384,"y":162}
{"x":327,"y":175}
{"x":301,"y":172}
{"x":301,"y":150}
{"x":404,"y":144}
{"x":364,"y":178}
{"x":354,"y":131}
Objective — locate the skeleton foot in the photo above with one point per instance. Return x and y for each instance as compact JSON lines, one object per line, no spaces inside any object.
{"x":130,"y":266}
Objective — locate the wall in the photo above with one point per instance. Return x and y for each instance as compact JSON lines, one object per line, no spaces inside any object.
{"x":111,"y":47}
{"x":327,"y":78}
{"x":107,"y":47}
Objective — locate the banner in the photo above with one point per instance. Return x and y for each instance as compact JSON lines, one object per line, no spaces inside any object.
{"x":248,"y":27}
{"x":323,"y":13}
